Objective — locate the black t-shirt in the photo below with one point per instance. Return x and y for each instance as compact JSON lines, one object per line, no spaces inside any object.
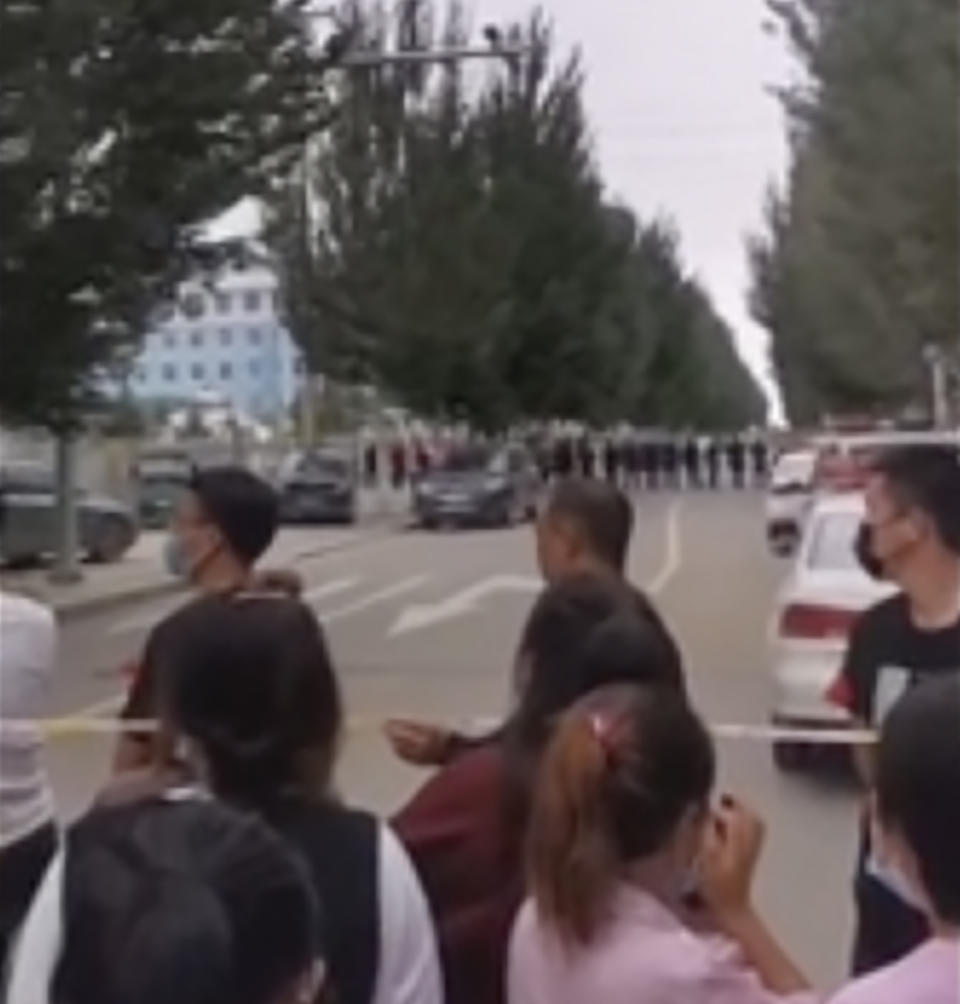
{"x":341,"y":849}
{"x":888,"y":653}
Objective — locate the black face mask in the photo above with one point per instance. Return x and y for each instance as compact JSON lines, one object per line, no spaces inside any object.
{"x":863,"y":548}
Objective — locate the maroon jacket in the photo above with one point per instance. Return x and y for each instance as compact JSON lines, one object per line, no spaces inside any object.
{"x":470,"y":861}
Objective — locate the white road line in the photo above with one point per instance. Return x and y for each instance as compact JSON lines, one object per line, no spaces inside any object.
{"x":673,"y":552}
{"x":111,"y":705}
{"x":329,"y":589}
{"x":364,"y":603}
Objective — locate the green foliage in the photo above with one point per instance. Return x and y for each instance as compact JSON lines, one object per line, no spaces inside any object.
{"x":124,"y":125}
{"x":448,"y":239}
{"x":857,"y":270}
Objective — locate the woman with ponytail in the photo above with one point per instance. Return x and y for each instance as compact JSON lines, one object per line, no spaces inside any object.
{"x":639,"y":891}
{"x":252,"y":700}
{"x":465,"y":828}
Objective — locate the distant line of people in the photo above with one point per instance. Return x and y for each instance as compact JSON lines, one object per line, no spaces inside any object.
{"x":578,"y":854}
{"x":668,"y":463}
{"x":632,"y":462}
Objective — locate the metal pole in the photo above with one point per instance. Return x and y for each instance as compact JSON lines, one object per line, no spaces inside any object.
{"x":939,"y":395}
{"x":66,"y":568}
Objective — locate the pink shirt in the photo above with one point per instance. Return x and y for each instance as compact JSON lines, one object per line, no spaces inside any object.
{"x":645,"y":954}
{"x":928,"y":975}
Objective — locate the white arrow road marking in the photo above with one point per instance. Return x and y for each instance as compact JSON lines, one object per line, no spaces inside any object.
{"x":329,"y":589}
{"x":423,"y":615}
{"x":364,"y":603}
{"x":673,"y":553}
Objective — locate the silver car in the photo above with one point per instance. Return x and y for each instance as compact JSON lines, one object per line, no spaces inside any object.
{"x":28,"y":518}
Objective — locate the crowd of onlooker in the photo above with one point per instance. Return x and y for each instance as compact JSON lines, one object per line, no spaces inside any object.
{"x":579,"y":854}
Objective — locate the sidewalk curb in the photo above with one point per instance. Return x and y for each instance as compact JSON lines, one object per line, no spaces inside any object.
{"x":67,"y":609}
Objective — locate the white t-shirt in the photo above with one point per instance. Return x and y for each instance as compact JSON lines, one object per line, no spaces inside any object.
{"x":408,"y":970}
{"x":28,"y":643}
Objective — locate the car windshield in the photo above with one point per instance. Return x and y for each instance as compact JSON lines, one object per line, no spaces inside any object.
{"x":28,"y":477}
{"x":832,"y":542}
{"x":793,"y":469}
{"x":321,"y":465}
{"x":467,"y":458}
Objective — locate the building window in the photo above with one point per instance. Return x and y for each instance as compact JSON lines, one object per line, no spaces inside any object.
{"x":226,"y":336}
{"x":196,"y":371}
{"x":170,"y":341}
{"x":169,"y":372}
{"x":299,"y":366}
{"x":254,"y":368}
{"x":192,"y":305}
{"x":275,"y":299}
{"x":223,"y":302}
{"x":196,"y":339}
{"x":164,"y":313}
{"x":226,"y":371}
{"x":253,"y":334}
{"x":141,"y":374}
{"x":251,"y":300}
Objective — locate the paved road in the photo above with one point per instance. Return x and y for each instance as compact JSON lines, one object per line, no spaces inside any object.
{"x":449,"y":656}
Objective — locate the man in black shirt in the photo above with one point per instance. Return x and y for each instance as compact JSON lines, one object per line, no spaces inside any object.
{"x":736,"y":461}
{"x":913,"y":529}
{"x":226,"y":520}
{"x":711,"y":458}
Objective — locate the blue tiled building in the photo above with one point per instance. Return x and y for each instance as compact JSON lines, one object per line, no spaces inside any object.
{"x":224,"y":336}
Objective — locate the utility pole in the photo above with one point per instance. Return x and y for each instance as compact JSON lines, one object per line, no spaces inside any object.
{"x":66,"y":568}
{"x":936,"y":360}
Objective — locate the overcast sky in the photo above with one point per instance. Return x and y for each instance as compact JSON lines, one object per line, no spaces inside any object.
{"x":682,"y":122}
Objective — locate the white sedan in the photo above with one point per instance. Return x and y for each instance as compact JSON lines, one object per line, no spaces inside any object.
{"x":817,"y":606}
{"x":788,"y":499}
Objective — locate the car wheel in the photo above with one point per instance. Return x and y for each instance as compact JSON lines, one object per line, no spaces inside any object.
{"x":111,"y":541}
{"x":791,"y":757}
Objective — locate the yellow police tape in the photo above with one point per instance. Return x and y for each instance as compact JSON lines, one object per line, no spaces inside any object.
{"x":56,"y":728}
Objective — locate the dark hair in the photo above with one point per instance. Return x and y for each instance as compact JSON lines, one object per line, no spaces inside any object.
{"x":249,"y":678}
{"x":243,"y":507}
{"x":623,"y":767}
{"x":926,"y":478}
{"x":918,"y":785}
{"x":182,"y":901}
{"x":600,"y":512}
{"x":584,"y":632}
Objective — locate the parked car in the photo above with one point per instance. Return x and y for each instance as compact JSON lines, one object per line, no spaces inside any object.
{"x":162,"y":476}
{"x":318,"y":486}
{"x":479,"y":486}
{"x":28,"y":518}
{"x":788,"y":499}
{"x":824,"y":594}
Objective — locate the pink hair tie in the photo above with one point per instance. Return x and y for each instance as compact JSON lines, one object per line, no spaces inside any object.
{"x":602,"y":729}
